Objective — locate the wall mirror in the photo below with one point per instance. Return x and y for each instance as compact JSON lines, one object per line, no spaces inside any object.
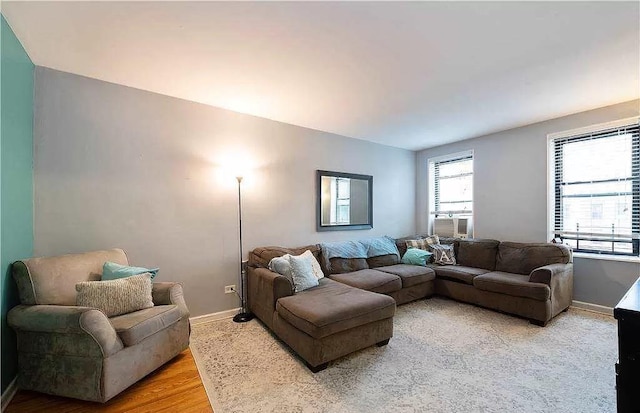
{"x":344,"y":201}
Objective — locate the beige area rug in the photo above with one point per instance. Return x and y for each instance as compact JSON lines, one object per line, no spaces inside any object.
{"x":444,"y":356}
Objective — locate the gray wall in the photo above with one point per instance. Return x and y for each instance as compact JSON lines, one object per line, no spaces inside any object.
{"x":116,"y":166}
{"x":510,"y":194}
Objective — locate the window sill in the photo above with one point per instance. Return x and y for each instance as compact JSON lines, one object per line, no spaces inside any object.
{"x":605,"y":257}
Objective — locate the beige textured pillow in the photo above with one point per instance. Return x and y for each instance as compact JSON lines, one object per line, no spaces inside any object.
{"x":423,"y":243}
{"x":115,"y":297}
{"x":317,"y":270}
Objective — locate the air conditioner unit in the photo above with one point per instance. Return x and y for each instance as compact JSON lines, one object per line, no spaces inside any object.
{"x":451,"y":227}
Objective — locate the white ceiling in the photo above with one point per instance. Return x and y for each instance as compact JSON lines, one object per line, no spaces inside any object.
{"x":411,"y":75}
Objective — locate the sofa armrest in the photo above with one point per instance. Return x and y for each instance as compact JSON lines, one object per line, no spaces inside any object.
{"x":265,"y":288}
{"x":165,"y":293}
{"x":559,"y":278}
{"x":548,"y":273}
{"x":67,"y":320}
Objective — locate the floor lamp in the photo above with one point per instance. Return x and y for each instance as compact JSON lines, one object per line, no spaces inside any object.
{"x":244,"y":315}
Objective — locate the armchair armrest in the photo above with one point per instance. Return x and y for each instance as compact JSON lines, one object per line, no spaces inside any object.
{"x":548,"y":273}
{"x":165,"y":293}
{"x":265,"y":288}
{"x":67,"y":320}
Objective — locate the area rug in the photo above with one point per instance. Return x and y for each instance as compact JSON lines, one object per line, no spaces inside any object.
{"x":444,"y":356}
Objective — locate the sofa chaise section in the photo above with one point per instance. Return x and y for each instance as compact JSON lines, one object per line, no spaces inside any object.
{"x":322,"y":323}
{"x":332,"y":320}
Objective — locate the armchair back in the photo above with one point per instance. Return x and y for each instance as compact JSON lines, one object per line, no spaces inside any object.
{"x":52,"y":280}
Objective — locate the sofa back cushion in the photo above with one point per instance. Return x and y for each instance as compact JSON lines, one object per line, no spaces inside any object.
{"x":383,"y":260}
{"x":261,"y":256}
{"x":522,"y":258}
{"x":52,"y":280}
{"x":344,"y":256}
{"x":478,"y":253}
{"x":342,"y":265}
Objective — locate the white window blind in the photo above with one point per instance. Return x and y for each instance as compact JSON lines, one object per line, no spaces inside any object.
{"x":597,"y":190}
{"x":453,"y":185}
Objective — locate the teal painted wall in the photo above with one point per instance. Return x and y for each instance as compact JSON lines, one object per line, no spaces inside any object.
{"x":16,"y":179}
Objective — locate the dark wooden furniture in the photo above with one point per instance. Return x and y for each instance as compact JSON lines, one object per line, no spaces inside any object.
{"x":627,"y":312}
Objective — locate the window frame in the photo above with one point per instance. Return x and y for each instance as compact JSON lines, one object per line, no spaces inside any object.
{"x":555,"y":183}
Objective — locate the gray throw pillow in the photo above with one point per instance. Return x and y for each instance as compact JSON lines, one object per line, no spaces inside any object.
{"x":443,"y":254}
{"x":282,"y":266}
{"x":302,"y":273}
{"x":115,"y":297}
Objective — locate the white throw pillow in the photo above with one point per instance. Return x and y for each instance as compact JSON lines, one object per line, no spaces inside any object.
{"x":302,"y":273}
{"x":317,"y":270}
{"x":283,"y":266}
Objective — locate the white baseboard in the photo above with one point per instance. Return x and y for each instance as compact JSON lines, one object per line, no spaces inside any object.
{"x":596,"y":308}
{"x":9,"y":393}
{"x":206,"y":318}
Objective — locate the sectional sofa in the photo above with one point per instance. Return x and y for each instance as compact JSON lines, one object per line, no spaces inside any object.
{"x":353,"y":306}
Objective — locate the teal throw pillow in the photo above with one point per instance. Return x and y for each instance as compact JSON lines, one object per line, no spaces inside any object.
{"x":416,"y":256}
{"x":113,"y":271}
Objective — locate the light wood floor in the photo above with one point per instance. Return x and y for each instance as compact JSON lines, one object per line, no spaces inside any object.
{"x":174,"y":387}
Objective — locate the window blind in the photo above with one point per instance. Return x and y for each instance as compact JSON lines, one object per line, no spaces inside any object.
{"x":597,"y":190}
{"x":453,"y":186}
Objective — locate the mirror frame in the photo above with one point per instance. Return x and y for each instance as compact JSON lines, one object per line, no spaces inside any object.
{"x":319,"y":225}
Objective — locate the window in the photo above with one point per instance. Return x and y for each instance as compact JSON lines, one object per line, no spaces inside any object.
{"x":596,"y":182}
{"x":452,"y":185}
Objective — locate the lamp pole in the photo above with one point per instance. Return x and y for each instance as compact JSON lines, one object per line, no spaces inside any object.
{"x":244,"y":315}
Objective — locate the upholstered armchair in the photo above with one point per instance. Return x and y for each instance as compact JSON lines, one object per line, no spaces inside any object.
{"x":79,"y":352}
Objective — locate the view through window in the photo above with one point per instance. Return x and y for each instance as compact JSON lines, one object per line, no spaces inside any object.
{"x":453,"y":186}
{"x":597,"y":191}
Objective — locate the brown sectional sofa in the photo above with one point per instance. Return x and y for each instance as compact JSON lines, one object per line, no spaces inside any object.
{"x":353,"y":306}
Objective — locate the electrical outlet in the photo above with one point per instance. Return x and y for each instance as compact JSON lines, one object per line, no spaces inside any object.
{"x":229,"y":289}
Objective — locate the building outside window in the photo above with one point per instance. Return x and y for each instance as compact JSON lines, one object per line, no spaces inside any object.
{"x":596,"y":188}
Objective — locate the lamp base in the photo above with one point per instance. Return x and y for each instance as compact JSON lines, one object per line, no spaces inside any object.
{"x":243,"y":317}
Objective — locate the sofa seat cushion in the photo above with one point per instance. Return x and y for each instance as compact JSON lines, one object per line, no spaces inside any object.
{"x":134,"y":327}
{"x":459,"y":273}
{"x":371,"y":280}
{"x":410,"y":274}
{"x":512,"y":284}
{"x":332,"y":307}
